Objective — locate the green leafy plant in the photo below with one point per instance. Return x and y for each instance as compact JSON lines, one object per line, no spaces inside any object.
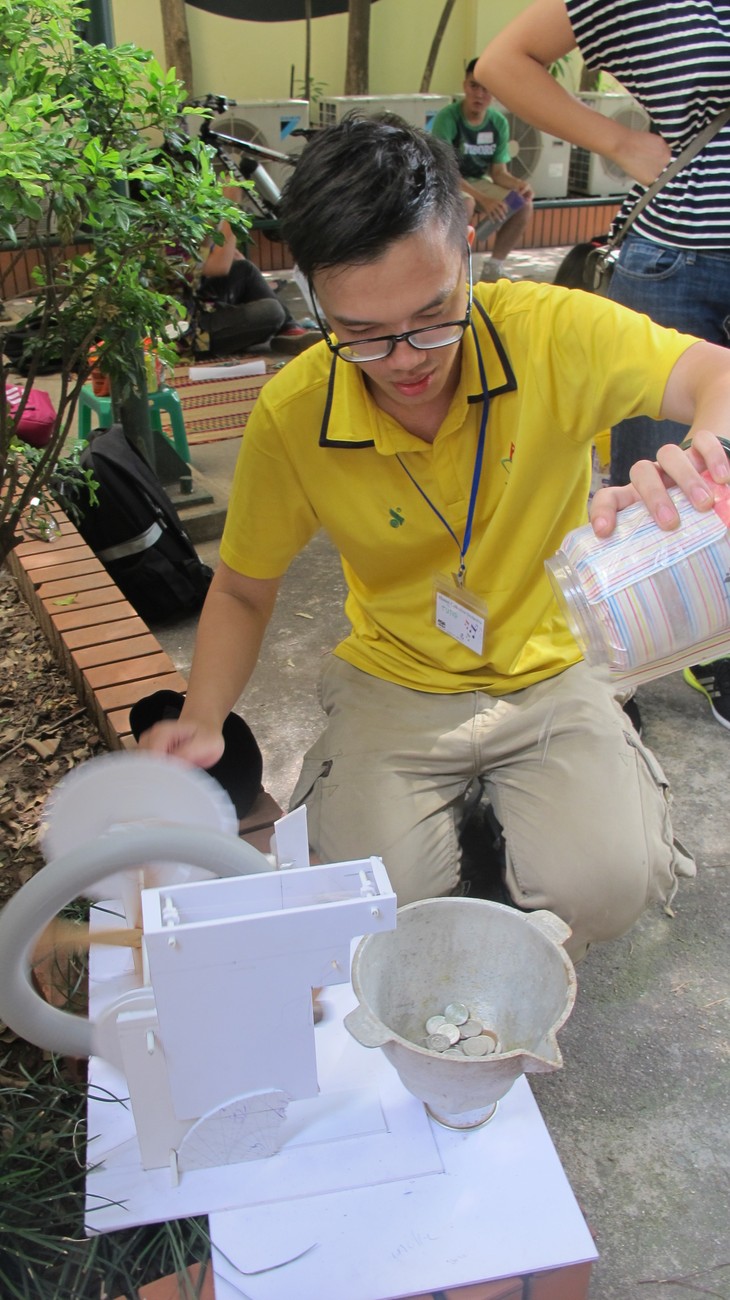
{"x":559,"y":67}
{"x":71,"y":483}
{"x":44,"y":1254}
{"x":314,"y":92}
{"x":83,"y":130}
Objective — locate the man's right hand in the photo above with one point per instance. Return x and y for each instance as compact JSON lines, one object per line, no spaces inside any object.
{"x":495,"y":209}
{"x":191,"y":740}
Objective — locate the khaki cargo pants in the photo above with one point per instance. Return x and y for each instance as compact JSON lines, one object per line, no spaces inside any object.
{"x":583,"y":803}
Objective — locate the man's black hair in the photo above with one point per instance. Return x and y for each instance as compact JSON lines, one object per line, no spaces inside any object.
{"x":365,"y":183}
{"x":471,"y":66}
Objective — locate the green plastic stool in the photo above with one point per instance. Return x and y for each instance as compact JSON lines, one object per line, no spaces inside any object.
{"x":165,"y":399}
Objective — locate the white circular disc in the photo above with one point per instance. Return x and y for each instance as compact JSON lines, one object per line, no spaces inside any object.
{"x":249,"y":1127}
{"x":132,"y":789}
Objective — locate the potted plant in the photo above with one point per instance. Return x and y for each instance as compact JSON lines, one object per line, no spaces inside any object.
{"x":83,"y":130}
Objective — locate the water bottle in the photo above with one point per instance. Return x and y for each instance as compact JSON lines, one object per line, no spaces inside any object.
{"x":512,"y":200}
{"x":644,"y":602}
{"x":152,"y":366}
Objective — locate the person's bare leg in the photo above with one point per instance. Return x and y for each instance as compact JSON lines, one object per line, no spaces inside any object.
{"x":508,"y":235}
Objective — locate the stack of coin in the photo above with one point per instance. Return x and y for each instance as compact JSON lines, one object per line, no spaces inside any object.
{"x":457,"y":1033}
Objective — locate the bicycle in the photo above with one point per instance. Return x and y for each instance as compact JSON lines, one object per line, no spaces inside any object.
{"x":264,"y":200}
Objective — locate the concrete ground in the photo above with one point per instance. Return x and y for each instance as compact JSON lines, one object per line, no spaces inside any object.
{"x":640,"y":1112}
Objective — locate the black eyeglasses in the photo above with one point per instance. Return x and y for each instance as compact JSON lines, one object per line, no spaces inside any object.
{"x":430,"y":336}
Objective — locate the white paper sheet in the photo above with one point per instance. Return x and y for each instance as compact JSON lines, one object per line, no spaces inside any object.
{"x":501,"y":1208}
{"x":226,"y":370}
{"x":383,"y":1202}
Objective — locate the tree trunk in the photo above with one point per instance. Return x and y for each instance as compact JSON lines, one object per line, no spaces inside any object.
{"x":308,"y":50}
{"x":177,"y":41}
{"x":358,"y":43}
{"x":436,"y":46}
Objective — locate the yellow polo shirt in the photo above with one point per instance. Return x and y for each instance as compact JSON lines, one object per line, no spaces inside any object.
{"x":319,"y":453}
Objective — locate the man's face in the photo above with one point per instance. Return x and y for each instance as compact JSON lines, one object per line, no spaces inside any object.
{"x":476,"y":99}
{"x":419,"y":281}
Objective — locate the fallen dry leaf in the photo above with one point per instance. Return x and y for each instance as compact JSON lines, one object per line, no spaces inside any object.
{"x":44,"y":748}
{"x":44,"y":731}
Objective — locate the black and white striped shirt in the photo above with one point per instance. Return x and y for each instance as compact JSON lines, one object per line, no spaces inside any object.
{"x":674,"y":58}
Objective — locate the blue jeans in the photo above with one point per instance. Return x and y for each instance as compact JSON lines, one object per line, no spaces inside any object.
{"x":689,"y":291}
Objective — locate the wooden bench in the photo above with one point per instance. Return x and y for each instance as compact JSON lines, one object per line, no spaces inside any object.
{"x":111,"y":657}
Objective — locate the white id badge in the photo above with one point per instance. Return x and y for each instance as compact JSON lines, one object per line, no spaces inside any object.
{"x":459,"y":613}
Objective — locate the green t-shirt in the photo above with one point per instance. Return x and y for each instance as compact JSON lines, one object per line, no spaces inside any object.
{"x":477,"y":147}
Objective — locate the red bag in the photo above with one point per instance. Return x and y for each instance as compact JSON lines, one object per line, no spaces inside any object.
{"x":38,"y":420}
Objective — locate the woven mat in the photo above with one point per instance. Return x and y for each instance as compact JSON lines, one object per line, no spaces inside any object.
{"x":216,"y":409}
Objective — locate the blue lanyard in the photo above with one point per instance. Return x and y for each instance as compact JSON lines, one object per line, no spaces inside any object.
{"x":463,"y":547}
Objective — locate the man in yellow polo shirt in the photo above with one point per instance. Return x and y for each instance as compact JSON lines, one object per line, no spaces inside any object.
{"x":441,"y":437}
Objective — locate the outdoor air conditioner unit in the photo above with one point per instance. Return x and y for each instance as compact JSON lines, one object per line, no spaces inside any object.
{"x":269,"y":123}
{"x":418,"y":110}
{"x":590,"y":173}
{"x":541,"y":159}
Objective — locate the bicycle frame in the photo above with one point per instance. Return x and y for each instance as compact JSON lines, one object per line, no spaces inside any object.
{"x":246,"y":161}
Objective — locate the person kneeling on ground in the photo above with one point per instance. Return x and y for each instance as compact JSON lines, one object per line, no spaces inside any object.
{"x":441,"y":436}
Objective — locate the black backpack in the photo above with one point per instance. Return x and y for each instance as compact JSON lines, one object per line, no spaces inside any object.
{"x":136,"y":533}
{"x":20,"y":344}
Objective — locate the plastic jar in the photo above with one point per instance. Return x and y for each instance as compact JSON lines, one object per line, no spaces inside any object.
{"x":644,"y":601}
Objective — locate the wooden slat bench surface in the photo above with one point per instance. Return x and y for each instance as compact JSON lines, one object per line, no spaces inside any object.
{"x":108,"y":651}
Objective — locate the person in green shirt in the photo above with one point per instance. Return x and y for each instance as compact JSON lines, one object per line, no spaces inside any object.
{"x":480,"y":136}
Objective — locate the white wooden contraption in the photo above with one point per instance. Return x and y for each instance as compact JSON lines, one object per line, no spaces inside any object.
{"x":214,"y":1031}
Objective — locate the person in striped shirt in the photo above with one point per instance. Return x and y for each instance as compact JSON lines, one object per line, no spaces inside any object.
{"x":674,"y":264}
